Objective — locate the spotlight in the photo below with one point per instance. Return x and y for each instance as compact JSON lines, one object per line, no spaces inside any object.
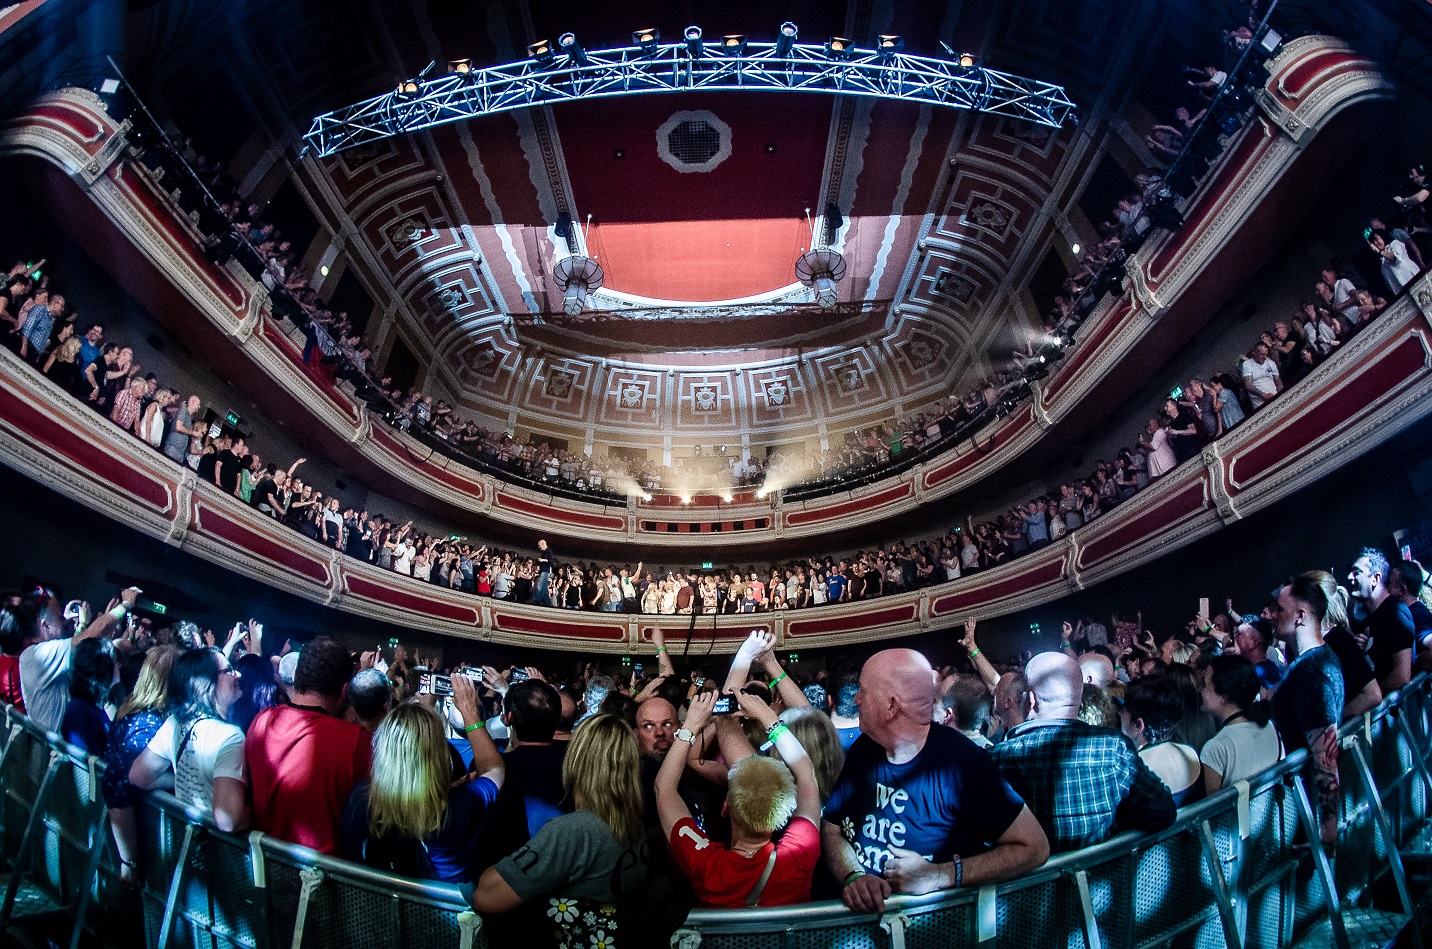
{"x":785,"y":39}
{"x":407,"y":88}
{"x":761,"y":493}
{"x":647,"y":40}
{"x":686,"y":499}
{"x":967,"y":60}
{"x":646,"y":497}
{"x":693,"y":41}
{"x":888,"y":44}
{"x":726,"y":497}
{"x":1074,"y":248}
{"x":837,"y":47}
{"x":460,"y":67}
{"x":734,"y":44}
{"x":573,"y":49}
{"x":541,"y":51}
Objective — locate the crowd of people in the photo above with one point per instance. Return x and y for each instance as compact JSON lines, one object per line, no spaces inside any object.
{"x":74,"y":352}
{"x":572,"y":798}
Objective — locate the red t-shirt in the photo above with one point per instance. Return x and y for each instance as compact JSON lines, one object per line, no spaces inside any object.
{"x":10,"y":682}
{"x":723,"y":878}
{"x":302,"y":766}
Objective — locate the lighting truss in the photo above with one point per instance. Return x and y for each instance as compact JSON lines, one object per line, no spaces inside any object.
{"x":672,"y":67}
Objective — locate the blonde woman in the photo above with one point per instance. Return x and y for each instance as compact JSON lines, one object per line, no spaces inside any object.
{"x":135,"y":724}
{"x":420,"y":814}
{"x":585,"y":862}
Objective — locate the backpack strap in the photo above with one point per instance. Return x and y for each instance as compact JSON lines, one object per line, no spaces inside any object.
{"x":760,"y":886}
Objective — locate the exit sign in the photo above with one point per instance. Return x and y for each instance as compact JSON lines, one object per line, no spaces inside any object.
{"x":233,"y":419}
{"x":707,"y":564}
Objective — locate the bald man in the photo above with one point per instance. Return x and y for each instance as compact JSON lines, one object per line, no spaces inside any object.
{"x":1081,"y":781}
{"x":917,"y":807}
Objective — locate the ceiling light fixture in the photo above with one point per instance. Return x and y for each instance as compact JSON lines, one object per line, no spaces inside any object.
{"x":572,"y":49}
{"x":734,"y":44}
{"x":648,"y":40}
{"x":577,"y":276}
{"x":785,"y":39}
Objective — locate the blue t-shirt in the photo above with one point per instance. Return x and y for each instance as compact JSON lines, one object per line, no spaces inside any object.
{"x":452,"y":852}
{"x":847,"y":737}
{"x":949,"y":799}
{"x":835,"y":583}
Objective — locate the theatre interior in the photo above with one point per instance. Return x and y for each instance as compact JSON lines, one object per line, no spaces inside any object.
{"x":857,"y":474}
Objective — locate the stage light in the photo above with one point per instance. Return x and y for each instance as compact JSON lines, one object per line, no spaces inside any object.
{"x":967,"y":60}
{"x":734,"y":44}
{"x":726,"y":497}
{"x":572,"y":49}
{"x":541,"y":51}
{"x":460,"y":67}
{"x":693,"y":41}
{"x":407,"y":88}
{"x":888,"y":44}
{"x":647,"y":40}
{"x":785,"y":39}
{"x":837,"y":47}
{"x":1075,"y":248}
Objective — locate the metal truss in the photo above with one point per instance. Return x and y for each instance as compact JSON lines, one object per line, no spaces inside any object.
{"x":672,"y":67}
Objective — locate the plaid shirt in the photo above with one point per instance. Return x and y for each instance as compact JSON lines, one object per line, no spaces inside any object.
{"x":1080,"y":780}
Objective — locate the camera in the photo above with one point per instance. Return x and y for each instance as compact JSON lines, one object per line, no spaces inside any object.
{"x":725,"y":705}
{"x":518,"y":675}
{"x":442,"y":685}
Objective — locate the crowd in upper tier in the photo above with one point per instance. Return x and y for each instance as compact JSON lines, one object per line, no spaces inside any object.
{"x":571,"y":796}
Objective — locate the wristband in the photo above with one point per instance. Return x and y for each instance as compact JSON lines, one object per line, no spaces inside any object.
{"x":772,"y":736}
{"x":974,"y":652}
{"x":777,"y":679}
{"x":959,"y":872}
{"x":660,"y":649}
{"x":119,"y":612}
{"x":469,"y":729}
{"x":852,"y":876}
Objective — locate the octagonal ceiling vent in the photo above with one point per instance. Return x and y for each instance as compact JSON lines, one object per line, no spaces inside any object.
{"x":693,"y":141}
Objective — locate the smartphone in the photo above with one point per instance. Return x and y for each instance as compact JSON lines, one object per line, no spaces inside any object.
{"x":1406,"y":551}
{"x":725,"y":705}
{"x":520,"y":675}
{"x":436,"y":684}
{"x":636,"y":669}
{"x":700,"y":681}
{"x":1203,"y":606}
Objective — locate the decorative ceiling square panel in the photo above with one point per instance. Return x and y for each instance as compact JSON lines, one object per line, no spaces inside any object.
{"x":706,"y":401}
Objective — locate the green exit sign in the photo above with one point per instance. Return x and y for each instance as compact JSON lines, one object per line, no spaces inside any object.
{"x":707,"y":564}
{"x":233,"y":419}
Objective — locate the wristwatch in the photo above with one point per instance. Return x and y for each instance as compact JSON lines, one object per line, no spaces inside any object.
{"x":685,"y":734}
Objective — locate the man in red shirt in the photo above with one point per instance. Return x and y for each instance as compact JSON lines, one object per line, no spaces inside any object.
{"x":303,"y":759}
{"x":761,"y":798}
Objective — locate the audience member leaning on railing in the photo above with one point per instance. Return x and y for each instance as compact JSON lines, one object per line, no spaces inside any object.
{"x":602,"y":797}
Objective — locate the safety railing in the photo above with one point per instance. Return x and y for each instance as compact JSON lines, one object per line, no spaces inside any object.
{"x":1234,"y":870}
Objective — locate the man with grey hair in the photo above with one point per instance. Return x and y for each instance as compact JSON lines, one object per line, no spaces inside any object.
{"x":598,"y":688}
{"x":966,"y":705}
{"x":917,"y":807}
{"x":1080,"y":780}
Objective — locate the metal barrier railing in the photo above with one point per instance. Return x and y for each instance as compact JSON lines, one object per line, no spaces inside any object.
{"x":1234,"y":870}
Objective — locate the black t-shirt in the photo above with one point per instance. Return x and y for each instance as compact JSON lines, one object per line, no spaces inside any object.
{"x":206,"y":465}
{"x":1390,"y":630}
{"x":531,"y":795}
{"x":265,"y":492}
{"x":1356,"y":669}
{"x":1421,"y":618}
{"x":227,"y":464}
{"x":949,"y":799}
{"x":1310,"y":698}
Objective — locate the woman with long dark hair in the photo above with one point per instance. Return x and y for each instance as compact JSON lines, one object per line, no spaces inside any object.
{"x":258,"y":689}
{"x":196,"y":751}
{"x":86,"y":723}
{"x":1247,"y":742}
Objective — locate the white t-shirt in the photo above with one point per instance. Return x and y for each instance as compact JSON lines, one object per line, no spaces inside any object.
{"x":215,"y":749}
{"x":1241,"y":750}
{"x":45,"y":682}
{"x":403,"y":556}
{"x":1399,"y":271}
{"x":1262,"y":378}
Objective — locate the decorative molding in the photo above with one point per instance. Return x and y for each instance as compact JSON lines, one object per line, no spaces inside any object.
{"x":1212,"y":457}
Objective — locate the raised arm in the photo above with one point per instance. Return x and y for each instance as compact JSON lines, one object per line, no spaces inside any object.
{"x":663,"y":658}
{"x":755,"y":644}
{"x":791,"y":752}
{"x":781,"y":682}
{"x":106,"y":622}
{"x":670,"y":808}
{"x":978,"y":659}
{"x":486,"y":759}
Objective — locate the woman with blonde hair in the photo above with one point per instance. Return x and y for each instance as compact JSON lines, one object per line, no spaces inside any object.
{"x":135,"y":724}
{"x":585,"y":862}
{"x":1361,"y":690}
{"x":421,"y":813}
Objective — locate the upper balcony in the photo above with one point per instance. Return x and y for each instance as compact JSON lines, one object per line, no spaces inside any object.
{"x":1306,"y":120}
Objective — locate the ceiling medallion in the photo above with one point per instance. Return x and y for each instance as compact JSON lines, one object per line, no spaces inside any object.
{"x":693,"y":140}
{"x":705,"y":399}
{"x":777,"y":392}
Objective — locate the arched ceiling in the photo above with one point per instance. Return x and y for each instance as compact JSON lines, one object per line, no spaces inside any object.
{"x":947,"y":213}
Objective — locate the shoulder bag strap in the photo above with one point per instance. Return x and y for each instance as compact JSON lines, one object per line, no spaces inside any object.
{"x":760,"y":886}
